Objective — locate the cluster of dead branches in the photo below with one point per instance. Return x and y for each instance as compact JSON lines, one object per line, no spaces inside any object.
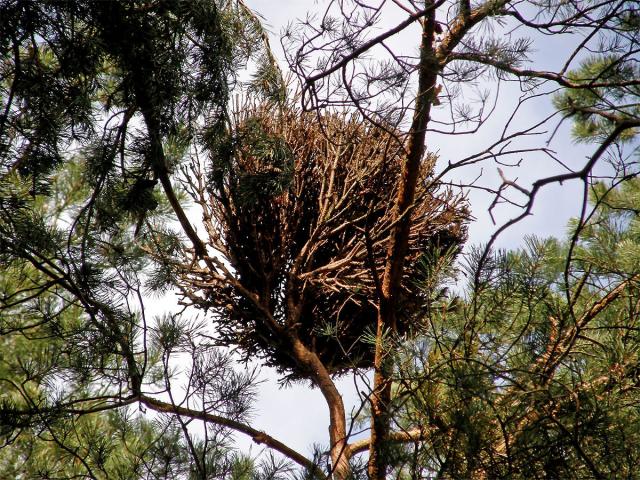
{"x":298,"y":208}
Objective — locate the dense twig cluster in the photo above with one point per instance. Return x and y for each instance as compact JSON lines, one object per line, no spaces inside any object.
{"x":300,"y":208}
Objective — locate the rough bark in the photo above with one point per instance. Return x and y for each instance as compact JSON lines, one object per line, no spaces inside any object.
{"x":340,"y":451}
{"x":397,"y":249}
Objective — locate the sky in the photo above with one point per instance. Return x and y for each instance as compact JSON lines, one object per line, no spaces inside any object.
{"x":298,"y":415}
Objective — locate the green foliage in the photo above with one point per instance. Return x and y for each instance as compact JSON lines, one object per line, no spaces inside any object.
{"x":535,"y":373}
{"x":98,"y":99}
{"x":595,"y":110}
{"x":277,"y":163}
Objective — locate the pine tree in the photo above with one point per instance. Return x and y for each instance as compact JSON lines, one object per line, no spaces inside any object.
{"x":531,"y":372}
{"x":324,"y":241}
{"x":99,"y":101}
{"x":535,"y":374}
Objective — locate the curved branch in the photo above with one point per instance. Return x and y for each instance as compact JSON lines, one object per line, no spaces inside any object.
{"x":159,"y":165}
{"x":563,"y":347}
{"x":373,"y":42}
{"x":541,"y":74}
{"x":537,"y":185}
{"x":413,"y":435}
{"x":462,"y":24}
{"x":256,"y":435}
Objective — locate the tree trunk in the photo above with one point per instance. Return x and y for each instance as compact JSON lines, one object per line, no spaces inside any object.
{"x":340,"y":452}
{"x":397,"y":250}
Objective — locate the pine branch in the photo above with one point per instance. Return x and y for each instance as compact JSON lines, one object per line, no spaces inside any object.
{"x":257,"y":436}
{"x":561,"y":80}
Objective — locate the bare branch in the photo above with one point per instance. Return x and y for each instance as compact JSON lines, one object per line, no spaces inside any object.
{"x":257,"y":436}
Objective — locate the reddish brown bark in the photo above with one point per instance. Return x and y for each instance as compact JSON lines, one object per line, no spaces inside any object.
{"x":397,"y":249}
{"x":340,"y":451}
